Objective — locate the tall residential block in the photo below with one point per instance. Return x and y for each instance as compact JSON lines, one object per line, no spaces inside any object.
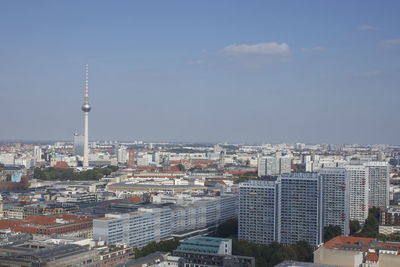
{"x":378,"y":173}
{"x":286,"y":210}
{"x":336,"y":199}
{"x":79,"y":141}
{"x":300,"y":199}
{"x":358,"y":185}
{"x":258,"y":211}
{"x":271,"y":166}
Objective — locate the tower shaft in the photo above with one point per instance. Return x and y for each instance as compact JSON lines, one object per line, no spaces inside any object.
{"x":86,"y":141}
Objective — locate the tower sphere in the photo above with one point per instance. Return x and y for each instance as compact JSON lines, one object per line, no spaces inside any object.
{"x":86,"y":107}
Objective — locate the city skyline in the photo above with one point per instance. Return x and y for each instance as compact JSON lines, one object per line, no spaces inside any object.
{"x":202,"y":72}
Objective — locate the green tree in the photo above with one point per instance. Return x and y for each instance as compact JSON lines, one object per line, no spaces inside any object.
{"x":354,"y":226}
{"x":376,"y":212}
{"x":165,"y":246}
{"x":274,"y":253}
{"x":229,"y":228}
{"x":331,"y":231}
{"x":370,"y":228}
{"x":284,"y":253}
{"x":181,"y":167}
{"x":304,"y":251}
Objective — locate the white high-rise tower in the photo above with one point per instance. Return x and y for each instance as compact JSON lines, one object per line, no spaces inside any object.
{"x":86,"y":108}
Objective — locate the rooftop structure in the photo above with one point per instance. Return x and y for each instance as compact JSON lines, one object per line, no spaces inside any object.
{"x":67,"y":224}
{"x":207,"y":244}
{"x":34,"y":254}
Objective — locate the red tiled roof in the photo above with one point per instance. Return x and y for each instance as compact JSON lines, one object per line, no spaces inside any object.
{"x":340,"y":241}
{"x":371,"y":256}
{"x":135,"y":199}
{"x":61,"y":164}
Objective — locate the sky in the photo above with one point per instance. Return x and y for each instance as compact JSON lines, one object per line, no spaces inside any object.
{"x":202,"y":71}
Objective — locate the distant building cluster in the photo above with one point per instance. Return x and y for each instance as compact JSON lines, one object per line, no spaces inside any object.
{"x":156,"y":192}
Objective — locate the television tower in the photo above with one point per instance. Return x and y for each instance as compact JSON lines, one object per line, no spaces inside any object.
{"x":86,"y":108}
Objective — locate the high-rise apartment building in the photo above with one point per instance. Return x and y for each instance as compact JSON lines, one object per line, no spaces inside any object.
{"x":122,"y":154}
{"x":258,"y":211}
{"x":268,"y":166}
{"x":285,"y":165}
{"x":271,"y":166}
{"x":358,"y":185}
{"x":131,"y":158}
{"x":78,"y":144}
{"x":336,"y":198}
{"x":300,"y":209}
{"x":378,"y":174}
{"x":286,"y":210}
{"x":37,"y":153}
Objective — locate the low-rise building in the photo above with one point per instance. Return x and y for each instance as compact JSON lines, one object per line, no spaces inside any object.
{"x":62,"y":225}
{"x":32,"y":254}
{"x":358,"y":251}
{"x":389,"y":221}
{"x":155,"y":222}
{"x":210,"y":252}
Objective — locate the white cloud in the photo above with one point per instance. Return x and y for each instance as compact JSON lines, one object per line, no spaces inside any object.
{"x":314,"y":49}
{"x":391,"y":43}
{"x":368,"y":28}
{"x":272,"y":48}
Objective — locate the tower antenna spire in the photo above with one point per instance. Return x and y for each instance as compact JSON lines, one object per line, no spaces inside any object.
{"x":86,"y":99}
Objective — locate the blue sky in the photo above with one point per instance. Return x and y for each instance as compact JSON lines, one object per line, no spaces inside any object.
{"x":202,"y":71}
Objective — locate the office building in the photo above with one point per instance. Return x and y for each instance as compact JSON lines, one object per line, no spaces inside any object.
{"x":359,"y":186}
{"x":378,"y":173}
{"x":336,"y":198}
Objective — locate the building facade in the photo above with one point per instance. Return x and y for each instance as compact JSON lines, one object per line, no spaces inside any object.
{"x":336,"y":198}
{"x":271,"y":166}
{"x":285,"y":210}
{"x":300,"y":199}
{"x":160,"y":222}
{"x":378,"y":174}
{"x":359,"y":187}
{"x":258,"y":211}
{"x":78,"y":144}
